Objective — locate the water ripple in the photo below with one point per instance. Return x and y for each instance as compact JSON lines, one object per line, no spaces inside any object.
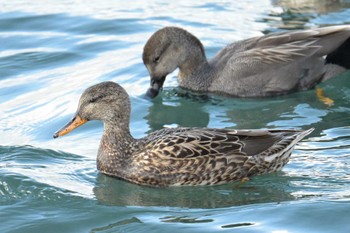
{"x":51,"y":51}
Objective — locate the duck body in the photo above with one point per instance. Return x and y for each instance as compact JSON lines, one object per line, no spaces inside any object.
{"x":178,"y":156}
{"x":199,"y":156}
{"x":269,"y":65}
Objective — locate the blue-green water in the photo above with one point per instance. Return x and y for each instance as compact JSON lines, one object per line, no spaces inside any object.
{"x":50,"y":51}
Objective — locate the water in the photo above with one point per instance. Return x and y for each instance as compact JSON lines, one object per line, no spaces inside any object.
{"x":50,"y":51}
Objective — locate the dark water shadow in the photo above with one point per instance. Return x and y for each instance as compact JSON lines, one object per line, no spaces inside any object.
{"x":264,"y":189}
{"x":302,"y":110}
{"x":184,"y":110}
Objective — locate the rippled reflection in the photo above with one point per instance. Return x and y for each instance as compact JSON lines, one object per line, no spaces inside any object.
{"x":270,"y":188}
{"x":290,"y":14}
{"x":50,"y":51}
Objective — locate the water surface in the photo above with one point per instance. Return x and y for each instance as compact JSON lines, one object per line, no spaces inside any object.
{"x":50,"y":51}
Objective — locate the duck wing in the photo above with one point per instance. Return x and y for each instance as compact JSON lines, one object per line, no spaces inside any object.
{"x":199,"y":142}
{"x":197,"y":156}
{"x":278,"y":63}
{"x":277,"y":49}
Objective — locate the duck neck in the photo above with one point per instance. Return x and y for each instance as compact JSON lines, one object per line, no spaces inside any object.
{"x":196,"y":78}
{"x":195,"y":70}
{"x":115,"y":148}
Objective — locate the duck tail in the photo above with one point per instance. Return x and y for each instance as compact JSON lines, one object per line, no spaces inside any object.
{"x":278,"y":155}
{"x":303,"y":134}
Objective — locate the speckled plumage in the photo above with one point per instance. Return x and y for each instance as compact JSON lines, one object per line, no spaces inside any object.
{"x":179,"y":156}
{"x":269,"y":65}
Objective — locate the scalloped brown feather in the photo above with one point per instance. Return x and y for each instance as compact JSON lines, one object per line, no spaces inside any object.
{"x":180,"y":156}
{"x":201,"y":156}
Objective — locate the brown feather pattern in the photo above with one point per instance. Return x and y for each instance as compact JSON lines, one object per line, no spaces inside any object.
{"x":180,"y":156}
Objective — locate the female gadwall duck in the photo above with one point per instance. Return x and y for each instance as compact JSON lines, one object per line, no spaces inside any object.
{"x":270,"y":65}
{"x":177,"y":156}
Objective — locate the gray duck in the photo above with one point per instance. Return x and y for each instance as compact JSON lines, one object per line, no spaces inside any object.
{"x":263,"y":66}
{"x":177,"y":156}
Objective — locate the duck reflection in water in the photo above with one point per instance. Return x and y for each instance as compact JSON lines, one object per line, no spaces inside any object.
{"x":167,"y":110}
{"x":265,"y":189}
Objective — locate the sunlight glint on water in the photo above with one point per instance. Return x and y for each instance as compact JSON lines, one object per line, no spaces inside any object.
{"x":51,"y":51}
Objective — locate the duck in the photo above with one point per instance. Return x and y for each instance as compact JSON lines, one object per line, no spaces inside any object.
{"x":270,"y":65}
{"x":183,"y":156}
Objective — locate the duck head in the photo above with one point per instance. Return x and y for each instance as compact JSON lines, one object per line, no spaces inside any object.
{"x":106,"y":101}
{"x":167,"y":49}
{"x":160,"y":56}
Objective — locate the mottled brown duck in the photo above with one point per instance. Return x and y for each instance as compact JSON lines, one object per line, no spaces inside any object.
{"x":177,"y":156}
{"x":270,"y":65}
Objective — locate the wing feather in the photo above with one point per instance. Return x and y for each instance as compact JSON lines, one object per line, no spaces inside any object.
{"x":194,"y":143}
{"x":275,"y":50}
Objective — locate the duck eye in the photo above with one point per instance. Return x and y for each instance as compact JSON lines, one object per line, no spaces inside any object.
{"x":156,"y":59}
{"x":92,"y":100}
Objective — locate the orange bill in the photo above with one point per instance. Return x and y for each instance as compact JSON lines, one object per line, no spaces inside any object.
{"x":74,"y":123}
